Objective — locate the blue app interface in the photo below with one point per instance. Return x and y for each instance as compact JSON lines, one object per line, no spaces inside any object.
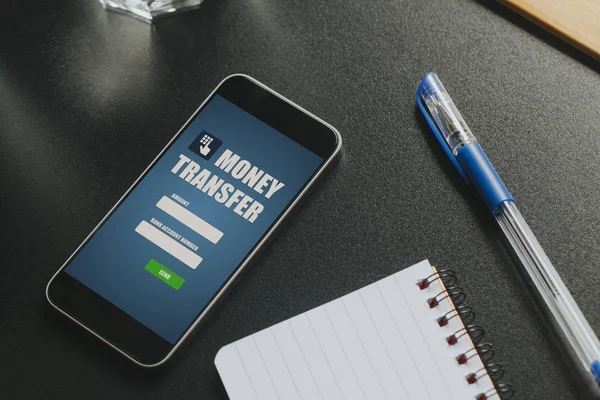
{"x":193,"y":218}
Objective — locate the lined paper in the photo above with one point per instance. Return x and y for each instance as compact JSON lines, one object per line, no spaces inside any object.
{"x":381,"y":342}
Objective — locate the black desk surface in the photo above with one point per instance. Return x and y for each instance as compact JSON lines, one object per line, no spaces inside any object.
{"x":88,"y":98}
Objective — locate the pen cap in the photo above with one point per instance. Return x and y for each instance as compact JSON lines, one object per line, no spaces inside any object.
{"x":446,"y":116}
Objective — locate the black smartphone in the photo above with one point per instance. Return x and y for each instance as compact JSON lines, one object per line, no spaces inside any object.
{"x":161,"y":259}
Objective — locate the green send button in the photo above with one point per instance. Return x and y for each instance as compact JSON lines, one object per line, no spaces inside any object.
{"x":164,"y":274}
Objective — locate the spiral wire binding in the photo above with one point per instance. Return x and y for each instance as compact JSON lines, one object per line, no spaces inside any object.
{"x":465,"y":313}
{"x":495,"y":371}
{"x":447,"y":276}
{"x":502,"y":390}
{"x":476,"y":333}
{"x":485,"y":352}
{"x":456,"y":293}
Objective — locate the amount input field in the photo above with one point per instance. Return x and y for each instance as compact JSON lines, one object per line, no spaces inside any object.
{"x":168,"y":244}
{"x":189,"y":219}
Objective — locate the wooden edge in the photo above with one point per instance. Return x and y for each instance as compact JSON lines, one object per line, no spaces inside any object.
{"x":518,"y":8}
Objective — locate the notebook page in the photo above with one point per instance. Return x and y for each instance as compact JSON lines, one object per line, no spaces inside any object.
{"x":379,"y":342}
{"x":444,"y":354}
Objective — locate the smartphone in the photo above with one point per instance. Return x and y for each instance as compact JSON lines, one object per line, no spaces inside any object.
{"x":159,"y":262}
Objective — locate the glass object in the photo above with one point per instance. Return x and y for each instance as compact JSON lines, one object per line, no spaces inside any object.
{"x":149,"y":10}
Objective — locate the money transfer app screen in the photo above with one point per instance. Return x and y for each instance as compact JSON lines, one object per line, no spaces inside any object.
{"x":193,"y":218}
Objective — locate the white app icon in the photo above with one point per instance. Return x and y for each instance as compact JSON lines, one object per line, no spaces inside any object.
{"x":204,"y":145}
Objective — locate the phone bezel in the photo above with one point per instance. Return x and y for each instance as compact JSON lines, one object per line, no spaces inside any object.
{"x":127,"y":335}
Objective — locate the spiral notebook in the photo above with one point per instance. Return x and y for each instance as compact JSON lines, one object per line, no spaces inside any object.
{"x":403,"y":337}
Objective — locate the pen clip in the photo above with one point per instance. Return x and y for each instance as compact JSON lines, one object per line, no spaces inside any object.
{"x":438,"y":135}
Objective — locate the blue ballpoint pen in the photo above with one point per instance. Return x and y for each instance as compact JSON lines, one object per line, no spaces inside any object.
{"x":467,"y":156}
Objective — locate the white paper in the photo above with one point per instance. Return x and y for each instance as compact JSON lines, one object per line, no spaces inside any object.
{"x":381,"y":342}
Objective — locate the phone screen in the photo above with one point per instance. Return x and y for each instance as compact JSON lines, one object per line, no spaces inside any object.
{"x":197,"y":213}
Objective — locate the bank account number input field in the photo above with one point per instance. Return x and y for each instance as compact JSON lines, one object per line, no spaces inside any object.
{"x":172,"y":242}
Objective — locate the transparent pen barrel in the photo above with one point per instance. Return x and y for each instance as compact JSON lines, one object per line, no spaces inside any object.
{"x":552,"y":289}
{"x":448,"y":119}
